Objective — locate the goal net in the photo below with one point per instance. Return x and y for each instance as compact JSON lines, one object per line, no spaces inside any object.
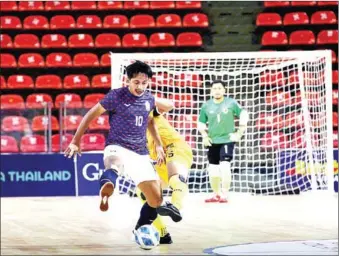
{"x":288,"y":144}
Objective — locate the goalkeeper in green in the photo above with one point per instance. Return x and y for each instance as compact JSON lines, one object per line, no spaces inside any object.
{"x":216,"y":125}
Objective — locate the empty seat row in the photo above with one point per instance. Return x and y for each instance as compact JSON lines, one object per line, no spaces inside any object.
{"x":296,"y":18}
{"x":80,"y":81}
{"x":38,"y":143}
{"x":111,"y":21}
{"x":71,"y":100}
{"x":277,"y":78}
{"x":95,"y":5}
{"x":36,"y":60}
{"x":300,"y":37}
{"x":299,"y":3}
{"x":104,"y":40}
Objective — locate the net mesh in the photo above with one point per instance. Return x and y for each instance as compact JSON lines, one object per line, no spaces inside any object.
{"x":285,"y":146}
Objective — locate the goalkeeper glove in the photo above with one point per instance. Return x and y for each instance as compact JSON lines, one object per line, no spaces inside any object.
{"x":236,"y":136}
{"x":207,"y":141}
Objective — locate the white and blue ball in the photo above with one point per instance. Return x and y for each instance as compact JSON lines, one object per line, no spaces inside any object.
{"x":147,"y":237}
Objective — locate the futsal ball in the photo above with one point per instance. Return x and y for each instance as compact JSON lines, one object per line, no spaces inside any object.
{"x":147,"y":237}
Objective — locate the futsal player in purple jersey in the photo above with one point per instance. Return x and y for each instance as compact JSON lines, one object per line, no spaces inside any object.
{"x":129,"y":108}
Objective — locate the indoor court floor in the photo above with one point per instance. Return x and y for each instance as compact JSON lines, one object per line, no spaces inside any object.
{"x":75,"y":225}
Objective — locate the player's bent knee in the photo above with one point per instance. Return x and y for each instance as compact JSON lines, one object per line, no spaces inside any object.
{"x":154,"y":202}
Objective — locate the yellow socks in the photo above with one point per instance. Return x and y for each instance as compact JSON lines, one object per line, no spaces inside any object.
{"x":226,"y":176}
{"x":215,"y":178}
{"x":180,"y":189}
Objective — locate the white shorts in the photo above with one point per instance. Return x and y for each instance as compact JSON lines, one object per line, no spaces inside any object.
{"x":138,"y":167}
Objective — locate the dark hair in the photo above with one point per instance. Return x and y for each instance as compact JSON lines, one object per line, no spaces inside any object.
{"x":138,"y":67}
{"x":218,"y":82}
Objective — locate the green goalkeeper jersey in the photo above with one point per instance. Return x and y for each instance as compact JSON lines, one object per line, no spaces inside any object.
{"x":220,"y":119}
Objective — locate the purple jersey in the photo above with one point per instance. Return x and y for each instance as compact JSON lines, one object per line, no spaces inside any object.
{"x":128,"y":118}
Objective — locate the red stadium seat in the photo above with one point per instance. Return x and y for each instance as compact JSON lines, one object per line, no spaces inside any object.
{"x":91,"y":99}
{"x":296,"y":18}
{"x":26,"y":41}
{"x":274,"y":38}
{"x":38,"y":100}
{"x":302,"y":37}
{"x":41,"y":123}
{"x":309,"y":78}
{"x":182,"y":100}
{"x":80,"y":41}
{"x":105,"y":60}
{"x":323,"y":17}
{"x":83,"y":5}
{"x":31,"y":6}
{"x":3,"y":84}
{"x":10,"y":22}
{"x":31,"y":60}
{"x":161,"y":40}
{"x":335,"y":119}
{"x":101,"y":81}
{"x":12,"y":101}
{"x":58,"y":60}
{"x":327,"y":37}
{"x":298,"y":140}
{"x":269,"y":121}
{"x":76,"y":82}
{"x":8,"y":144}
{"x":155,"y":5}
{"x":334,"y":57}
{"x":53,"y":41}
{"x":33,"y":144}
{"x":7,"y":60}
{"x":8,"y":6}
{"x":36,"y":22}
{"x":189,"y":39}
{"x":20,"y":82}
{"x":188,"y":80}
{"x":168,"y":21}
{"x":92,"y":141}
{"x":335,"y":97}
{"x":187,"y":122}
{"x":294,"y":120}
{"x":274,"y":140}
{"x":57,"y":5}
{"x":71,"y":122}
{"x":65,"y":141}
{"x":133,"y":40}
{"x":100,"y":123}
{"x":335,"y":76}
{"x":142,"y":21}
{"x":5,"y":41}
{"x":191,"y":140}
{"x":107,"y":40}
{"x":303,"y":3}
{"x":115,"y":21}
{"x":188,"y":4}
{"x":136,"y":5}
{"x":272,"y":79}
{"x":278,"y":98}
{"x":110,"y":5}
{"x":70,"y":100}
{"x":195,"y":20}
{"x":62,"y":22}
{"x":89,"y":21}
{"x":327,"y":3}
{"x":85,"y":60}
{"x":15,"y":124}
{"x":48,"y":82}
{"x":276,"y":3}
{"x":313,"y":98}
{"x":268,"y":19}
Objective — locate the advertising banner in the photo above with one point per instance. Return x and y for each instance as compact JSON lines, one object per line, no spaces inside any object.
{"x":294,"y":169}
{"x":36,"y":175}
{"x":89,"y":167}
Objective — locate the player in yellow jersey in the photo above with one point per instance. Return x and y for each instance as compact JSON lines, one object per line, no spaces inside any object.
{"x":174,"y":172}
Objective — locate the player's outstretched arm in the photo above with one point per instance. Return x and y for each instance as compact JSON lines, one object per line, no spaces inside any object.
{"x":164,"y":105}
{"x":152,"y":128}
{"x":74,"y":147}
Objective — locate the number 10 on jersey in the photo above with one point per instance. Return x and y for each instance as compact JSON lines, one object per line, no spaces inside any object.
{"x":138,"y":120}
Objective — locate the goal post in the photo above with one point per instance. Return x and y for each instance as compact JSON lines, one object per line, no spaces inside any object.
{"x":288,"y":145}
